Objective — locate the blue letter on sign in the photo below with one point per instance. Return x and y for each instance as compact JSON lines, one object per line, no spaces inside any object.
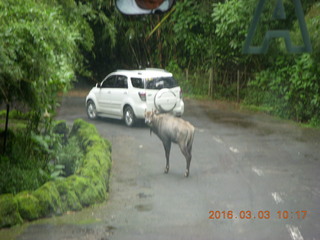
{"x":278,"y":14}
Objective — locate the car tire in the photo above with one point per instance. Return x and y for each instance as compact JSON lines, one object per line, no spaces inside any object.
{"x":129,"y":117}
{"x":91,"y":110}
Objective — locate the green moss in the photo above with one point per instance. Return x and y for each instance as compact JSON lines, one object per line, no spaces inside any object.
{"x":87,"y":135}
{"x":69,"y":199}
{"x":86,"y":192}
{"x":49,"y":199}
{"x":87,"y":187}
{"x":9,"y":214}
{"x":97,"y":164}
{"x":28,"y":205}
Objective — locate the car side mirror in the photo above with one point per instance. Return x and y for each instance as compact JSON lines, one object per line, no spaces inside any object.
{"x":138,"y":7}
{"x":98,"y":85}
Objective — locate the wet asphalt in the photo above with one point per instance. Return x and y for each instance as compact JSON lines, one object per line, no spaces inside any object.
{"x":252,"y":176}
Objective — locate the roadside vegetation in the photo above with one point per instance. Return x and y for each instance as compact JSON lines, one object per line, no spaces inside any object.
{"x":47,"y":46}
{"x":87,"y":185}
{"x":43,"y":47}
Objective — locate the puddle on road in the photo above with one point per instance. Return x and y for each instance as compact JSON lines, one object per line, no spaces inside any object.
{"x":143,"y":207}
{"x":143,"y":195}
{"x":262,"y":125}
{"x":230,"y":119}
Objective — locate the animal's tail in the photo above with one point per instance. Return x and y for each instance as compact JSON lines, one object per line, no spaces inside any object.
{"x":190,"y":139}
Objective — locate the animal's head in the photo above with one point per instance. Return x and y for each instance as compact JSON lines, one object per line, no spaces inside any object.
{"x":148,"y":117}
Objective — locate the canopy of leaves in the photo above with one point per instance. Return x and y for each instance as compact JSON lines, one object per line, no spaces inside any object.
{"x":44,"y":44}
{"x":38,"y":52}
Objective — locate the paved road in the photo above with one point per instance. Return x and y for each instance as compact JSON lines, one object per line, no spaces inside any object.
{"x":259,"y":176}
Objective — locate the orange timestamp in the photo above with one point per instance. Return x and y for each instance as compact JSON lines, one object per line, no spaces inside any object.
{"x":262,"y":214}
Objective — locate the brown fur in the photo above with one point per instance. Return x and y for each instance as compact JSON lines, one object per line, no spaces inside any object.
{"x":172,"y":129}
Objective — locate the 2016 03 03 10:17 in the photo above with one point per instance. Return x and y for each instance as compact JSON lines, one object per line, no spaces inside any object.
{"x":262,"y":214}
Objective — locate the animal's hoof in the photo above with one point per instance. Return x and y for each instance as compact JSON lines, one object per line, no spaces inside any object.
{"x":166,"y":170}
{"x":187,"y":173}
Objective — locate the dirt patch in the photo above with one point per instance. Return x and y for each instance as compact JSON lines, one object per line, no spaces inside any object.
{"x":218,"y":104}
{"x":75,"y":93}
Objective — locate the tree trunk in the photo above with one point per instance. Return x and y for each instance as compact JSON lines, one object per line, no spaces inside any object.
{"x":238,"y":86}
{"x":210,"y":86}
{"x":6,"y":129}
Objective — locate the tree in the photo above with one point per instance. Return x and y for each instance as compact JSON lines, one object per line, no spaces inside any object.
{"x":290,"y":85}
{"x":38,"y":53}
{"x":42,"y":46}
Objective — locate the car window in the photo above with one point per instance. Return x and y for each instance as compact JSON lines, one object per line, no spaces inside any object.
{"x":162,"y":82}
{"x":121,"y":82}
{"x":137,"y":82}
{"x":109,"y":82}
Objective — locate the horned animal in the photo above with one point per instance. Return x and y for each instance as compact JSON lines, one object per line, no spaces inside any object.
{"x":172,"y":129}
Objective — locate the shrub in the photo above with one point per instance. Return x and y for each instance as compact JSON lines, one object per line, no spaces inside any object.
{"x":291,"y":89}
{"x":49,"y":199}
{"x":70,"y":157}
{"x":28,"y":205}
{"x":18,"y":177}
{"x":88,"y":186}
{"x":9,"y":214}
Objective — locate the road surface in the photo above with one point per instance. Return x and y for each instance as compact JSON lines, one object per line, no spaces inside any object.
{"x":251,"y":177}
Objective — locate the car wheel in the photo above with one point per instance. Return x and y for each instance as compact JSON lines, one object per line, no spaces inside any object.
{"x":129,"y":117}
{"x":91,"y":110}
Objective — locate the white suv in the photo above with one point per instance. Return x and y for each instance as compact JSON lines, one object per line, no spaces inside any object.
{"x":127,"y":94}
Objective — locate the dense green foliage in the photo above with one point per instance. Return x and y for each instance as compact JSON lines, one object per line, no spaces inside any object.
{"x":89,"y":185}
{"x":37,"y":53}
{"x":44,"y":45}
{"x":51,"y":156}
{"x":290,"y":86}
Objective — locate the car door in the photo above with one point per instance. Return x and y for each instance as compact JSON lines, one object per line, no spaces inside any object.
{"x":104,"y":97}
{"x":119,"y":93}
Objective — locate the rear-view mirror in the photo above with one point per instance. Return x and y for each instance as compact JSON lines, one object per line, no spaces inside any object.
{"x":138,"y":7}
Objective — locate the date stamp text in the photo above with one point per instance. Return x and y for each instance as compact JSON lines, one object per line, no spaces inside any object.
{"x":262,"y":214}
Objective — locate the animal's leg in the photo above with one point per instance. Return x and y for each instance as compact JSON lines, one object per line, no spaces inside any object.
{"x":189,"y":149}
{"x":167,"y":148}
{"x":188,"y":165}
{"x":187,"y":154}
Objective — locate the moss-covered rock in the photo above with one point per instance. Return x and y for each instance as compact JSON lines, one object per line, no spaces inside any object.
{"x":88,"y":135}
{"x":68,"y":196}
{"x":49,"y":199}
{"x":89,"y":185}
{"x":97,"y":163}
{"x":86,"y":192}
{"x":97,"y":160}
{"x":28,"y":205}
{"x":9,"y":214}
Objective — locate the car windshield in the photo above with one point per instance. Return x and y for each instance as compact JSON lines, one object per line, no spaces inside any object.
{"x":161,"y":82}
